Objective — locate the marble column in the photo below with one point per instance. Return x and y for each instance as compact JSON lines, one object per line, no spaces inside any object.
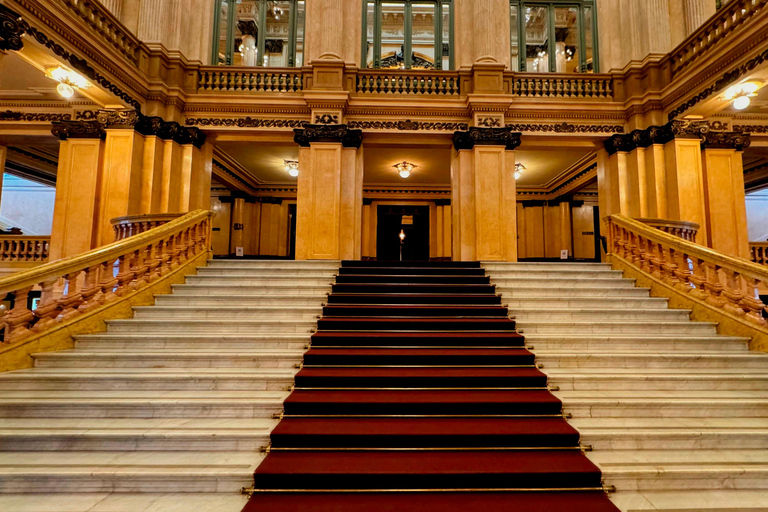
{"x":238,"y":220}
{"x":696,"y":13}
{"x":3,"y":155}
{"x":685,"y":182}
{"x":566,"y":243}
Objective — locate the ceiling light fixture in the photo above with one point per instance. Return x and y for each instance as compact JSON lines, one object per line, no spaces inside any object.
{"x":519,"y":170}
{"x":740,"y":94}
{"x":405,"y":168}
{"x":69,"y":81}
{"x":292,"y":166}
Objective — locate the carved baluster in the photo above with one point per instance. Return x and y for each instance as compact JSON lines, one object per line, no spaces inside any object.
{"x":143,"y":260}
{"x":107,"y":282}
{"x":683,"y":272}
{"x":713,"y":285}
{"x":634,"y":247}
{"x":153,"y":260}
{"x":72,"y":298}
{"x":125,"y":275}
{"x":19,"y":317}
{"x":668,"y":266}
{"x":733,"y":292}
{"x":751,"y":302}
{"x":645,"y":255}
{"x":91,"y":289}
{"x":657,"y":260}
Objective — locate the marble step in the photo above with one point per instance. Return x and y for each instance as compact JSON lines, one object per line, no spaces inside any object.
{"x":575,"y":274}
{"x":299,"y":264}
{"x":544,"y":315}
{"x":603,"y":303}
{"x":228,"y":299}
{"x":524,"y":291}
{"x":683,"y":469}
{"x":123,"y":502}
{"x":563,"y":285}
{"x":636,"y":404}
{"x":612,"y":379}
{"x":618,"y":327}
{"x":492,"y":267}
{"x":647,"y":359}
{"x":699,"y":500}
{"x":158,"y":471}
{"x":238,"y":289}
{"x":592,"y":343}
{"x":158,"y":379}
{"x":107,"y":341}
{"x":141,"y":404}
{"x":222,"y":270}
{"x":170,"y":358}
{"x":675,"y":438}
{"x":135,"y":437}
{"x":155,"y":326}
{"x":247,"y":280}
{"x":232,"y":312}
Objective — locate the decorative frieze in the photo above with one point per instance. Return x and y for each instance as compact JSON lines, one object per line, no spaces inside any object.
{"x":566,"y":128}
{"x":245,"y":122}
{"x":10,"y":115}
{"x":486,"y":137}
{"x":657,"y":135}
{"x":78,"y":130}
{"x":349,"y":138}
{"x":726,"y":140}
{"x":751,"y":128}
{"x":407,"y":125}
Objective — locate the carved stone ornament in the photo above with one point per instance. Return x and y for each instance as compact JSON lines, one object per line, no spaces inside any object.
{"x":168,"y":130}
{"x":328,"y":133}
{"x":641,"y":138}
{"x":11,"y":30}
{"x":11,"y":115}
{"x":689,"y":129}
{"x":408,"y":125}
{"x":489,"y":122}
{"x":620,"y":142}
{"x":326,"y":119}
{"x":78,"y":130}
{"x":188,"y":135}
{"x":122,"y":118}
{"x":486,"y":137}
{"x":726,"y":140}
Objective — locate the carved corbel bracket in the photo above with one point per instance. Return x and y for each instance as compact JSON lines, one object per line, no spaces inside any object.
{"x":328,"y":133}
{"x":486,"y":137}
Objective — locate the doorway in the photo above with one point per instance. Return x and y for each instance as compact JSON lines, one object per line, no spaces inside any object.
{"x":413,"y":221}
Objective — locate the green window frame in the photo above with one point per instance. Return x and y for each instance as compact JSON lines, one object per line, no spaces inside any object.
{"x":584,"y":7}
{"x":295,"y":36}
{"x":442,"y":8}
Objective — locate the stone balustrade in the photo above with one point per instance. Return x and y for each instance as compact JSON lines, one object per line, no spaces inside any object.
{"x":759,"y":252}
{"x":249,"y":79}
{"x":101,"y":276}
{"x":131,"y":225}
{"x":27,"y":249}
{"x":678,"y":228}
{"x":726,"y":21}
{"x":556,"y":85}
{"x":428,"y":83}
{"x":724,"y":282}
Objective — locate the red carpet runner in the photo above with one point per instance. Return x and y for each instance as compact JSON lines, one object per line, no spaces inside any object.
{"x":417,"y":394}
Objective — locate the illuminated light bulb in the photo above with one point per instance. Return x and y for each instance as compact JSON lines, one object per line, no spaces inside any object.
{"x":65,"y":90}
{"x":292,"y":166}
{"x":402,"y":235}
{"x":404,"y":169}
{"x":741,"y":102}
{"x":293,"y":173}
{"x":519,"y":168}
{"x":405,"y":174}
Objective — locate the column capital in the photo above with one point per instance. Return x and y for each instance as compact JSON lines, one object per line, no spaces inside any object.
{"x":11,"y":30}
{"x":486,"y":137}
{"x":726,"y":140}
{"x":78,"y":130}
{"x":621,"y":142}
{"x":339,"y":133}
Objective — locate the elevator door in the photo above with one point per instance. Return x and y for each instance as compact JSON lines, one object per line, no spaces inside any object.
{"x":415,"y":246}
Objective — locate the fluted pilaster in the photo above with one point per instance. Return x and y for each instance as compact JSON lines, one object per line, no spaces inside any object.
{"x":696,"y":12}
{"x":114,"y":6}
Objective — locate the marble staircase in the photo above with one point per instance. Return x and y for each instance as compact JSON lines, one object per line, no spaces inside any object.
{"x":676,"y":414}
{"x":168,"y":410}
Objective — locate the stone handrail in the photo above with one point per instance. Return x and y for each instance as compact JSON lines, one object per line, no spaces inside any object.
{"x":98,"y":17}
{"x":759,"y":252}
{"x":559,"y":85}
{"x":131,"y":225}
{"x":724,"y":22}
{"x":679,"y":228}
{"x":90,"y":280}
{"x":20,"y":248}
{"x":422,"y":82}
{"x":727,"y":283}
{"x":249,"y":79}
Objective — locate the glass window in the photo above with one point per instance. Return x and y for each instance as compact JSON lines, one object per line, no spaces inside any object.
{"x":553,"y":36}
{"x":260,"y":33}
{"x":408,"y":34}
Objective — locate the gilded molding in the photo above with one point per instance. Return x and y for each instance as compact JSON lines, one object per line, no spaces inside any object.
{"x":78,"y":130}
{"x":486,"y":137}
{"x":10,"y":115}
{"x":407,"y":125}
{"x":246,"y":122}
{"x":751,"y":128}
{"x":726,"y":140}
{"x":349,"y":138}
{"x":567,"y":128}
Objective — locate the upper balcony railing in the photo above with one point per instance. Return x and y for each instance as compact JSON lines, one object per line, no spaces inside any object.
{"x":249,"y":79}
{"x":557,"y":85}
{"x":21,"y":248}
{"x":726,"y":21}
{"x":426,"y":82}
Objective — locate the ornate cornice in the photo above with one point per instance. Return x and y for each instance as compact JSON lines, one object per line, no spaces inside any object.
{"x":656,"y":135}
{"x":725,"y":140}
{"x":408,"y":125}
{"x":566,"y":128}
{"x":476,"y":136}
{"x":78,"y":130}
{"x":341,"y":133}
{"x":751,"y":128}
{"x":13,"y":26}
{"x":10,"y":115}
{"x":245,"y":122}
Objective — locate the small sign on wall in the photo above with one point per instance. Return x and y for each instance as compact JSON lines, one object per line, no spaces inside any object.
{"x":564,"y":254}
{"x":239,"y":252}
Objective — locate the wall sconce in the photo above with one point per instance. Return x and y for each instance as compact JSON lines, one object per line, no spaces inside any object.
{"x":69,"y":81}
{"x":292,"y":166}
{"x":740,"y":94}
{"x":519,"y":170}
{"x":404,"y":169}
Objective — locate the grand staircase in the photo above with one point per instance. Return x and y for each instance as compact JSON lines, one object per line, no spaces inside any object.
{"x":179,"y":399}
